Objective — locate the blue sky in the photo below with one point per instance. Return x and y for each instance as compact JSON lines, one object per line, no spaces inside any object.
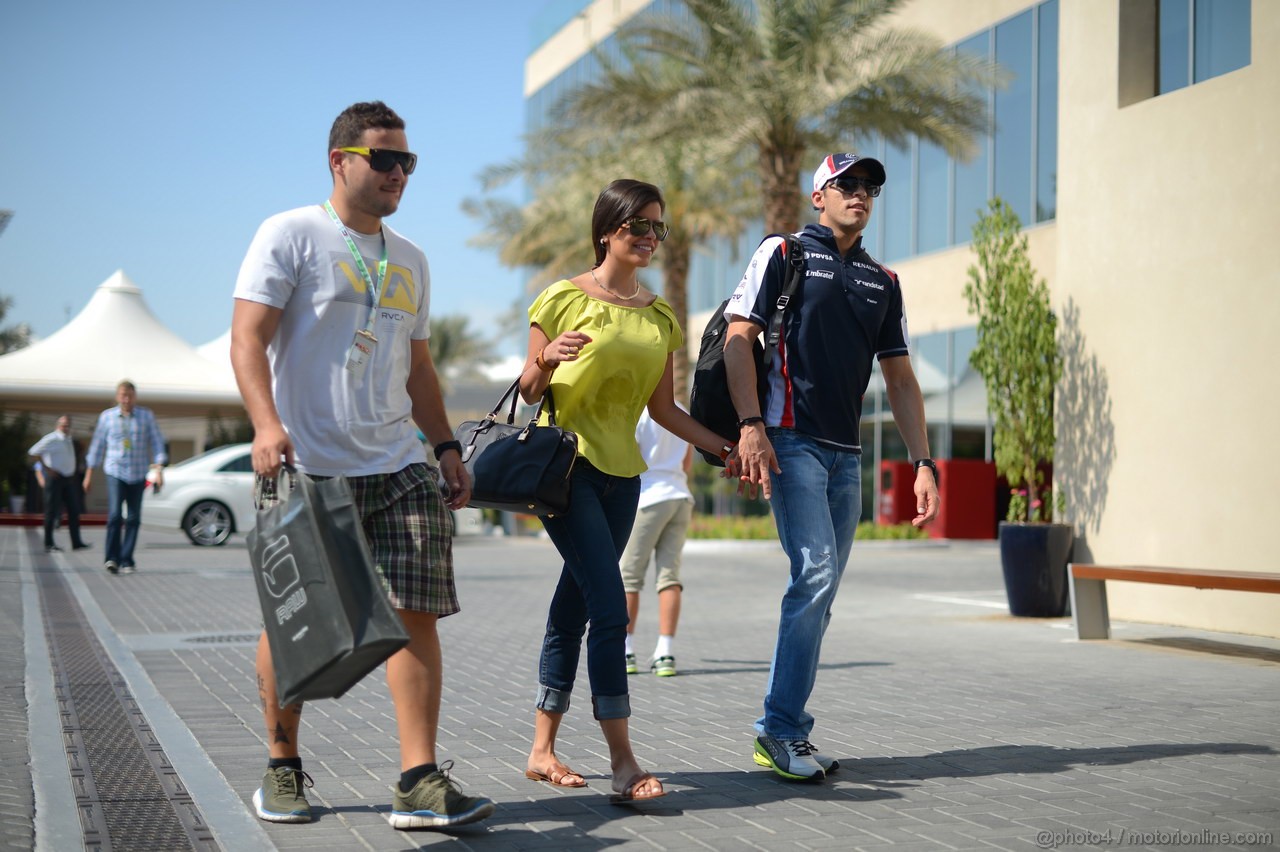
{"x":154,"y":136}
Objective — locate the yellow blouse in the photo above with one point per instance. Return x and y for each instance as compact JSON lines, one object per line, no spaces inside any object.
{"x":601,"y":394}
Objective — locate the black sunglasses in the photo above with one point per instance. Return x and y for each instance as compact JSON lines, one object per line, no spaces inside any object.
{"x":384,"y":159}
{"x":639,"y":227}
{"x":849,"y":185}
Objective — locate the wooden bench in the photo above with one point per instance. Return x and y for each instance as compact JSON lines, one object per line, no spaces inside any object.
{"x":1089,"y":588}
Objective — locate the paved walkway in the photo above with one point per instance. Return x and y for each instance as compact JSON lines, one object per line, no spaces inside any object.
{"x":957,"y":727}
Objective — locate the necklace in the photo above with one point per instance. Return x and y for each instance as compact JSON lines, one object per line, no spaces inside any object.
{"x":613,"y":293}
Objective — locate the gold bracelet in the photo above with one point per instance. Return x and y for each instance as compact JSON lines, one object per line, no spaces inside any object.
{"x":543,"y":365}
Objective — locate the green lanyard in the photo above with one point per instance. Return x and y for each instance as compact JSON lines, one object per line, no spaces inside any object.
{"x":375,"y":288}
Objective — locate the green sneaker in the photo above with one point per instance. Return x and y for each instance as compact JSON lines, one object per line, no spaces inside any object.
{"x":663,"y":666}
{"x":792,"y":759}
{"x":828,"y":764}
{"x":282,"y":798}
{"x":632,"y":666}
{"x":437,"y":802}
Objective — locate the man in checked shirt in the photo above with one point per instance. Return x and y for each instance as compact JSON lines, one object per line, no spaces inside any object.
{"x":125,"y":442}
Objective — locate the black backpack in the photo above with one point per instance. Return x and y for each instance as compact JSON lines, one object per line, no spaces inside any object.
{"x":710,"y":403}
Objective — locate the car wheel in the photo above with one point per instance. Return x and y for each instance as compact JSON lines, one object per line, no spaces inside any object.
{"x":208,"y":523}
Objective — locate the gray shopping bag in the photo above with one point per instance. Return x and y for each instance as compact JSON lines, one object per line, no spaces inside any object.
{"x":325,"y":609}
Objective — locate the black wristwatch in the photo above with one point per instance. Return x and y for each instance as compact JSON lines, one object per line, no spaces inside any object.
{"x":929,"y":463}
{"x":444,"y":446}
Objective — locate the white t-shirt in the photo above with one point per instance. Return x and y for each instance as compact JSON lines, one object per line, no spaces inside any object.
{"x":664,"y":453}
{"x":299,"y":262}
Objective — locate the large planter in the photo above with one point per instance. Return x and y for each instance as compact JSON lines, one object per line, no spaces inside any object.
{"x":1034,"y":560}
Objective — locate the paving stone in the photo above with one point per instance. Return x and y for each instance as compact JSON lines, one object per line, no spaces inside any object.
{"x":956,"y":728}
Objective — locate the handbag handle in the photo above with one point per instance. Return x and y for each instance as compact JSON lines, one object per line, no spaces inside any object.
{"x":547,"y":402}
{"x":267,"y":490}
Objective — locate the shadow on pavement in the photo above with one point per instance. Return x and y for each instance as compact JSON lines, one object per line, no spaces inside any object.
{"x":996,"y":760}
{"x":1211,"y":646}
{"x":758,"y":666}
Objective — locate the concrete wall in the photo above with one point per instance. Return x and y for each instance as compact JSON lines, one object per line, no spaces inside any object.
{"x":1164,"y":215}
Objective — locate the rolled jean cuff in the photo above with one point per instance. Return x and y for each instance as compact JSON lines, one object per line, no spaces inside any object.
{"x":611,"y":706}
{"x":553,"y":700}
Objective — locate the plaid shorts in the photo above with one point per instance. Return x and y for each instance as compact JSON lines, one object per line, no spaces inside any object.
{"x":410,"y":532}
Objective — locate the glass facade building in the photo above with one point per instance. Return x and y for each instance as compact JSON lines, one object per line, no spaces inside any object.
{"x":932,"y":200}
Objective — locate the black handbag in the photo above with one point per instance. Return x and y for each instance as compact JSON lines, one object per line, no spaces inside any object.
{"x":325,"y":608}
{"x":518,"y":468}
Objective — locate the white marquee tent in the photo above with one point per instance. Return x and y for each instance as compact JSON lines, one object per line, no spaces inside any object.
{"x":76,"y":369}
{"x":115,"y":337}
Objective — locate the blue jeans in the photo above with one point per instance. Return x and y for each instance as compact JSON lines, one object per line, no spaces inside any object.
{"x":120,"y":494}
{"x":590,"y":538}
{"x":816,"y":503}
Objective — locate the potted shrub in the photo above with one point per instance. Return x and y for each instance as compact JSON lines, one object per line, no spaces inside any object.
{"x":1017,"y":357}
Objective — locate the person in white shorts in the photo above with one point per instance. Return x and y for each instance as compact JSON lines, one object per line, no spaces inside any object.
{"x":661,"y":527}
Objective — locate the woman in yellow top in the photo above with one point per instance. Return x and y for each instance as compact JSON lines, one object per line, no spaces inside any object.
{"x":604,"y":344}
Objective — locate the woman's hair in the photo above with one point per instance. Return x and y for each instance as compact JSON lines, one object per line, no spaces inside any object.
{"x":618,"y":202}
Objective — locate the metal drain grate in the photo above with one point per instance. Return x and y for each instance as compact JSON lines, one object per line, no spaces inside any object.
{"x":225,"y":638}
{"x":128,"y":793}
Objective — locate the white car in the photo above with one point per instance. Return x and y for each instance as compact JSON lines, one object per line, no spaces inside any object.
{"x":210,"y":496}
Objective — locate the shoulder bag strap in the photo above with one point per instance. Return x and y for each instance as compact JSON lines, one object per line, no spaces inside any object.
{"x":795,"y":274}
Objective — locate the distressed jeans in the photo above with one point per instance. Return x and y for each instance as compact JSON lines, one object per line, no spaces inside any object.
{"x":590,"y":539}
{"x":816,"y":503}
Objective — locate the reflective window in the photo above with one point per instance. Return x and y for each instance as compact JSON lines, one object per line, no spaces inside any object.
{"x":1047,"y":112}
{"x":239,"y":464}
{"x":1222,"y":32}
{"x":973,"y":180}
{"x":1175,"y":44}
{"x":1201,"y":39}
{"x":872,"y":237}
{"x":932,"y":207}
{"x":895,"y":203}
{"x":1013,"y":116}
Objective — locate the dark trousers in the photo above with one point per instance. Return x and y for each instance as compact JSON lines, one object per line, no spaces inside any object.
{"x":590,"y":538}
{"x":121,"y":494}
{"x":61,"y":492}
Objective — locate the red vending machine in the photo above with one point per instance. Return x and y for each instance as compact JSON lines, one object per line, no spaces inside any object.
{"x":968,"y":493}
{"x":897,"y":494}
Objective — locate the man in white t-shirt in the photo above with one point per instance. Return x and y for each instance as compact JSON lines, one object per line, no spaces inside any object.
{"x":329,"y":345}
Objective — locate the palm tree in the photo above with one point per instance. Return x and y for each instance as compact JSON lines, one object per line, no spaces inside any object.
{"x":456,"y":349}
{"x":567,"y":170}
{"x":15,"y":336}
{"x":778,"y":83}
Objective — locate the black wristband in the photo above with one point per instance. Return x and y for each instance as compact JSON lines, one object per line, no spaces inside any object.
{"x":444,"y":446}
{"x":747,"y":421}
